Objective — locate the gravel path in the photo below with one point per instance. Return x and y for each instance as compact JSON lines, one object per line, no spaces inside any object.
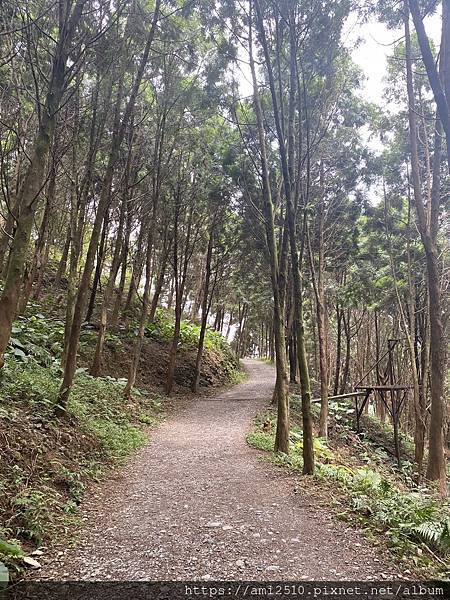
{"x":198,"y":503}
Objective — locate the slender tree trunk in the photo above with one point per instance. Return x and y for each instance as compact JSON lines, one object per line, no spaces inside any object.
{"x":160,"y":280}
{"x":29,"y":194}
{"x":137,"y":350}
{"x":123,"y":273}
{"x":287,"y":168}
{"x":136,"y":273}
{"x":337,"y":370}
{"x":319,"y":294}
{"x":348,"y":340}
{"x":118,"y":136}
{"x":408,"y":321}
{"x":63,"y":261}
{"x":436,"y":469}
{"x":6,"y":239}
{"x":206,"y":305}
{"x":174,"y":346}
{"x":282,"y":432}
{"x":37,"y":263}
{"x":98,"y":269}
{"x":442,"y":101}
{"x":96,"y":366}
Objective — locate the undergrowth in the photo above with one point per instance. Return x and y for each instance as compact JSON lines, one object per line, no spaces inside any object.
{"x":162,"y":329}
{"x":414,"y":524}
{"x":47,"y":462}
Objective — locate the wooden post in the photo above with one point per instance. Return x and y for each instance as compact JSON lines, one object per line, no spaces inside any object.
{"x":395,"y":415}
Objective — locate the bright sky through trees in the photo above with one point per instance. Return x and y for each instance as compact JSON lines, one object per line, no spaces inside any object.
{"x":376,"y":44}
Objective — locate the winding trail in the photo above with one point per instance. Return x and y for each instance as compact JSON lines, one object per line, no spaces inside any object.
{"x":198,"y":503}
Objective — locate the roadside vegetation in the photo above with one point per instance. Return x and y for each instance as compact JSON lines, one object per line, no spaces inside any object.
{"x":358,"y":475}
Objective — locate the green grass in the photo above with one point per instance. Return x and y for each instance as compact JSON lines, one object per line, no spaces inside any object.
{"x":267,"y":361}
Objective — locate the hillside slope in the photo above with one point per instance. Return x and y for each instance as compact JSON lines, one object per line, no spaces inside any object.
{"x":48,"y":462}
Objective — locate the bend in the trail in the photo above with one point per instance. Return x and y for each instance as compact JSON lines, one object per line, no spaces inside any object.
{"x":198,"y":503}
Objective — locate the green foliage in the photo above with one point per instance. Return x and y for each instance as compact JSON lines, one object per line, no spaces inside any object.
{"x":406,"y":518}
{"x":74,"y":482}
{"x":10,"y":549}
{"x":261,"y":440}
{"x":341,"y":411}
{"x":37,"y":507}
{"x":37,"y":338}
{"x":99,"y":405}
{"x":100,"y":428}
{"x":119,"y":440}
{"x":435,"y":533}
{"x":34,"y":336}
{"x":162,"y":329}
{"x":321,"y":451}
{"x":238,"y":377}
{"x":30,"y":383}
{"x":147,"y":419}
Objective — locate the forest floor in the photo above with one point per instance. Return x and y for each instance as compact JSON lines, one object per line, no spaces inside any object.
{"x":198,"y":503}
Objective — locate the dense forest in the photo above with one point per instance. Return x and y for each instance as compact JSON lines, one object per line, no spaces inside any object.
{"x":197,"y":182}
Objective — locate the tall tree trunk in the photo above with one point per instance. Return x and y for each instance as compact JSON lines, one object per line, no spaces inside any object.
{"x":206,"y":305}
{"x":160,"y":278}
{"x":337,"y":369}
{"x":116,"y":142}
{"x":156,"y":183}
{"x":287,"y":165}
{"x":30,"y":191}
{"x":62,"y":265}
{"x":319,"y":294}
{"x":348,"y":339}
{"x":98,"y":269}
{"x":408,"y":322}
{"x":442,"y":100}
{"x":436,"y":469}
{"x":137,"y":350}
{"x":282,"y":432}
{"x":37,"y":263}
{"x":136,"y":273}
{"x":96,"y":366}
{"x":123,"y":273}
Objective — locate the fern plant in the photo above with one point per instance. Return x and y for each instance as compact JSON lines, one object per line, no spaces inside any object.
{"x":435,"y":533}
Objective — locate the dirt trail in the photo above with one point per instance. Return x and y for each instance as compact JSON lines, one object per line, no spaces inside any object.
{"x":198,"y":503}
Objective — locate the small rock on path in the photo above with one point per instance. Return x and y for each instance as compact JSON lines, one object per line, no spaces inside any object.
{"x":198,"y":503}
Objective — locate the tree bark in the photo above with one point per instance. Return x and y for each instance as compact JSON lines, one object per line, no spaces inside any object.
{"x":442,"y":101}
{"x":206,"y":304}
{"x":282,"y":431}
{"x":436,"y":469}
{"x":30,"y":191}
{"x":98,"y":269}
{"x":287,"y":168}
{"x":117,"y":138}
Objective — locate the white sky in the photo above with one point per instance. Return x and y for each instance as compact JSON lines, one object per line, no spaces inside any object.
{"x":377,"y":43}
